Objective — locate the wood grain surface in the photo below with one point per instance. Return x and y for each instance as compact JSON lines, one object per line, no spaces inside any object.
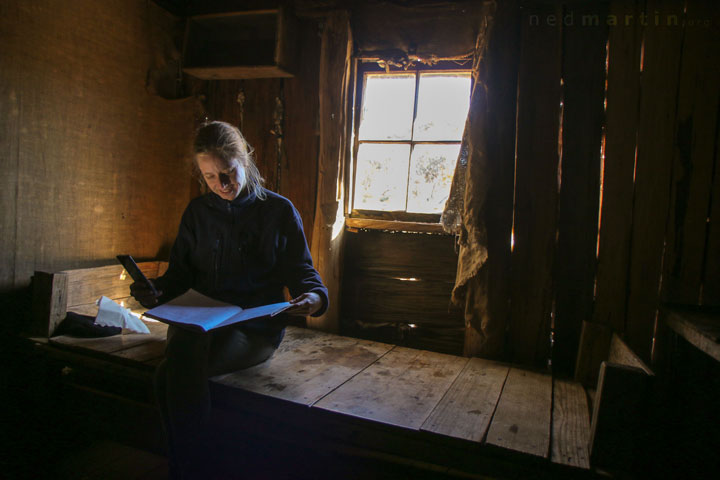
{"x":522,"y":418}
{"x":467,"y":407}
{"x":401,"y":388}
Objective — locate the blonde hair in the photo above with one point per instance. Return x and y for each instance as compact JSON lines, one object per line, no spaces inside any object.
{"x":225,"y":142}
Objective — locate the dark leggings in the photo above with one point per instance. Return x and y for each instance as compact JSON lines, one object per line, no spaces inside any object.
{"x":181,"y":380}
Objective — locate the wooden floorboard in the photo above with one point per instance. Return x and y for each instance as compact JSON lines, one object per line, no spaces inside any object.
{"x":467,"y":407}
{"x":307,"y":367}
{"x":571,"y":425}
{"x":401,"y":388}
{"x":522,"y":418}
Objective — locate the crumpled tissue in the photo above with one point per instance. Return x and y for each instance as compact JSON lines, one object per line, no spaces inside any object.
{"x":111,"y":314}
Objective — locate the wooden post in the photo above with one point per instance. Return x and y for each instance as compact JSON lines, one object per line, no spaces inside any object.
{"x":584,"y":57}
{"x":49,"y":302}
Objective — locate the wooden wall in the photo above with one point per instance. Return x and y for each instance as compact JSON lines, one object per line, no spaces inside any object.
{"x":394,"y":280}
{"x":92,"y":165}
{"x":279,"y":118}
{"x":615,"y":168}
{"x":659,"y":226}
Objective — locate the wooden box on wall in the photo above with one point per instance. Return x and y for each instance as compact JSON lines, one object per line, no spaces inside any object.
{"x":235,"y":45}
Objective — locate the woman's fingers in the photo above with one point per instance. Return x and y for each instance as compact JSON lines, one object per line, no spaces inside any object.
{"x":144,"y":294}
{"x":306,"y":304}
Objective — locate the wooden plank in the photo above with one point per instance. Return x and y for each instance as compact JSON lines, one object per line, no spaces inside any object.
{"x":522,"y":418}
{"x":234,"y":73}
{"x":571,"y":425}
{"x":700,"y":328}
{"x":402,"y":255}
{"x":300,"y":155}
{"x":594,"y":345}
{"x":249,"y":105}
{"x":143,"y":353}
{"x":653,"y":173}
{"x":327,"y":238}
{"x":618,"y":415}
{"x":621,"y":354}
{"x":497,"y":207}
{"x":536,"y":186}
{"x":91,"y":309}
{"x":467,"y":407}
{"x":394,"y":225}
{"x":87,"y":285}
{"x":49,"y":302}
{"x":711,"y":279}
{"x":115,"y":343}
{"x":584,"y":57}
{"x":695,"y":144}
{"x":305,"y":369}
{"x":110,"y":344}
{"x":623,"y":93}
{"x":401,"y":388}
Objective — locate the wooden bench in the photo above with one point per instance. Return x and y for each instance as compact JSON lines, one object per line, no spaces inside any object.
{"x":435,"y":410}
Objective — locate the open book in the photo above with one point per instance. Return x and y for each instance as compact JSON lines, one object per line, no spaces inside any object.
{"x":195,"y":310}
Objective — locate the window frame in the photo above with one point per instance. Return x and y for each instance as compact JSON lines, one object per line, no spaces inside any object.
{"x":364,"y":66}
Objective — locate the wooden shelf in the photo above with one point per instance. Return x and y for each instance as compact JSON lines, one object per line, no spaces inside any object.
{"x":239,"y":45}
{"x":699,"y":326}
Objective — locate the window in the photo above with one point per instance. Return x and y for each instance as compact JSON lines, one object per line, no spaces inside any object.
{"x":407,"y":141}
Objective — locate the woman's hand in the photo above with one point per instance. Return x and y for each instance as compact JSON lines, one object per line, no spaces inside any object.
{"x":304,"y":305}
{"x":145,"y":295}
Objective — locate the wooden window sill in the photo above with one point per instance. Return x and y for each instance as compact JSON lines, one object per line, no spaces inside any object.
{"x":394,"y":225}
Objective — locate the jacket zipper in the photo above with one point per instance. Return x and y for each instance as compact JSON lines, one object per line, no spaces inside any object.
{"x":216,"y":261}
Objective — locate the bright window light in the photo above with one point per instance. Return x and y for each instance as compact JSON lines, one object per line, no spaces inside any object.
{"x":408,"y":141}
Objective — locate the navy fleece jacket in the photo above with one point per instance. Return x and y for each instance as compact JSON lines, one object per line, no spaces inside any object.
{"x":242,"y":252}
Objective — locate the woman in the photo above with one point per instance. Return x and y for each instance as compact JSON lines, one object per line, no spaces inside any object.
{"x":241,"y":244}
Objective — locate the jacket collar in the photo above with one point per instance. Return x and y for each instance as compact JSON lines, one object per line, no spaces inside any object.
{"x":244,"y":200}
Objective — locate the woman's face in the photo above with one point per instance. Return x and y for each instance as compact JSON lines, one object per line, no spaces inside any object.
{"x":225,"y":180}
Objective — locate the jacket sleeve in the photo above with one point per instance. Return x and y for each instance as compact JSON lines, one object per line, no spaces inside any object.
{"x":297,"y":265}
{"x":179,"y":278}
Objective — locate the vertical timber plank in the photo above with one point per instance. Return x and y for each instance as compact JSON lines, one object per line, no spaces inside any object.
{"x":50,"y":294}
{"x":584,"y":58}
{"x":623,"y":93}
{"x":298,"y":179}
{"x":250,"y":106}
{"x":502,"y":77}
{"x":693,"y":154}
{"x":328,"y":224}
{"x":536,"y":184}
{"x":711,"y":280}
{"x":594,"y":346}
{"x":662,"y":44}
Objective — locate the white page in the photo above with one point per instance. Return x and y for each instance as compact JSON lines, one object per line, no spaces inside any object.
{"x":194,"y":308}
{"x":256,"y":312}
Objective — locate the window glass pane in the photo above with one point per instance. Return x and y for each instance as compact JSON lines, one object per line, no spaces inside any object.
{"x":387,"y":110}
{"x":381,"y":177}
{"x":443,"y":101}
{"x":431,"y":171}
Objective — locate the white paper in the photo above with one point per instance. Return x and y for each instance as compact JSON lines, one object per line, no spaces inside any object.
{"x":110,"y":314}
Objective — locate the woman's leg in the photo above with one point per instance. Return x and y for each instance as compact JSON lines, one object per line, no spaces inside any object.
{"x":181,"y":381}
